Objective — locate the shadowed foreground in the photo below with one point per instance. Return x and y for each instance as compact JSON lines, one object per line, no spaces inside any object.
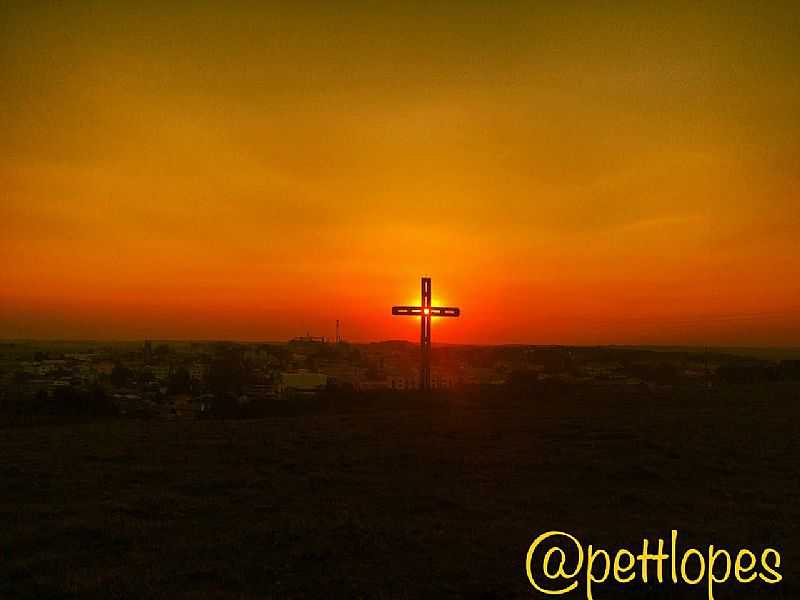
{"x":397,"y":496}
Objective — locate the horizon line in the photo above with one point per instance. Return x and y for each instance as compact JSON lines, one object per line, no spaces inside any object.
{"x":333,"y":341}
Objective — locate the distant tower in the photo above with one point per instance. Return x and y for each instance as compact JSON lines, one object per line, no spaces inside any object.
{"x":338,"y":339}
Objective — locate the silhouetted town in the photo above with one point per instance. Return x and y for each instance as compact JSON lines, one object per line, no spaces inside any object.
{"x":176,"y":379}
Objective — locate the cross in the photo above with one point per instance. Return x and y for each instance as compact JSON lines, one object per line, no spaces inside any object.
{"x":425,"y":311}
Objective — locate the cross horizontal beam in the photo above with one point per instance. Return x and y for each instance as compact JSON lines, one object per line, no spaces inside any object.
{"x":433,"y":311}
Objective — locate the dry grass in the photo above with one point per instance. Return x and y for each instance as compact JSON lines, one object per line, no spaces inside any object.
{"x":402,"y":498}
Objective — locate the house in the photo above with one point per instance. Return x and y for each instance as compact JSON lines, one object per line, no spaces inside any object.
{"x":303,"y":383}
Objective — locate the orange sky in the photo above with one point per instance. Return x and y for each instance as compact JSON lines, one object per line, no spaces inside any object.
{"x":581,"y":173}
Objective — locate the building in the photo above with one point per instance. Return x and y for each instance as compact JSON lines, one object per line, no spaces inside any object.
{"x":266,"y":390}
{"x":303,"y":383}
{"x":197,"y":372}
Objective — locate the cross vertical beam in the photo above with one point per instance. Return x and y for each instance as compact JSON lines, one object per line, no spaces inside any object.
{"x":425,"y":335}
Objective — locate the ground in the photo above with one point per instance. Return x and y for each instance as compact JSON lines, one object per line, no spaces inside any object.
{"x":397,"y":497}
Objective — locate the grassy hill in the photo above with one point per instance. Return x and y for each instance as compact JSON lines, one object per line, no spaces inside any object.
{"x":396,"y":496}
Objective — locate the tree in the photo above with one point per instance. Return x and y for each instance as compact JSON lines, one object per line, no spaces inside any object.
{"x":226,"y":374}
{"x":180,"y":381}
{"x":120,"y":375}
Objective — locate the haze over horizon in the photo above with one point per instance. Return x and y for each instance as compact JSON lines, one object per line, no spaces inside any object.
{"x":601,"y":173}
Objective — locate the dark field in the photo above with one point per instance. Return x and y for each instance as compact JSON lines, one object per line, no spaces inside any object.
{"x":397,"y":497}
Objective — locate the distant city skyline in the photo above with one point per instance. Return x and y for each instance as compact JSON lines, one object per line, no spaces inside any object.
{"x":568,"y":173}
{"x":764,"y":351}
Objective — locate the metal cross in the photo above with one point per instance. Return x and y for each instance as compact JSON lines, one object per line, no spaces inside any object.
{"x":425,"y":311}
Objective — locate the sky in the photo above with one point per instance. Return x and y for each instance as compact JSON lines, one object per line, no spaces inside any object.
{"x":566,"y":172}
